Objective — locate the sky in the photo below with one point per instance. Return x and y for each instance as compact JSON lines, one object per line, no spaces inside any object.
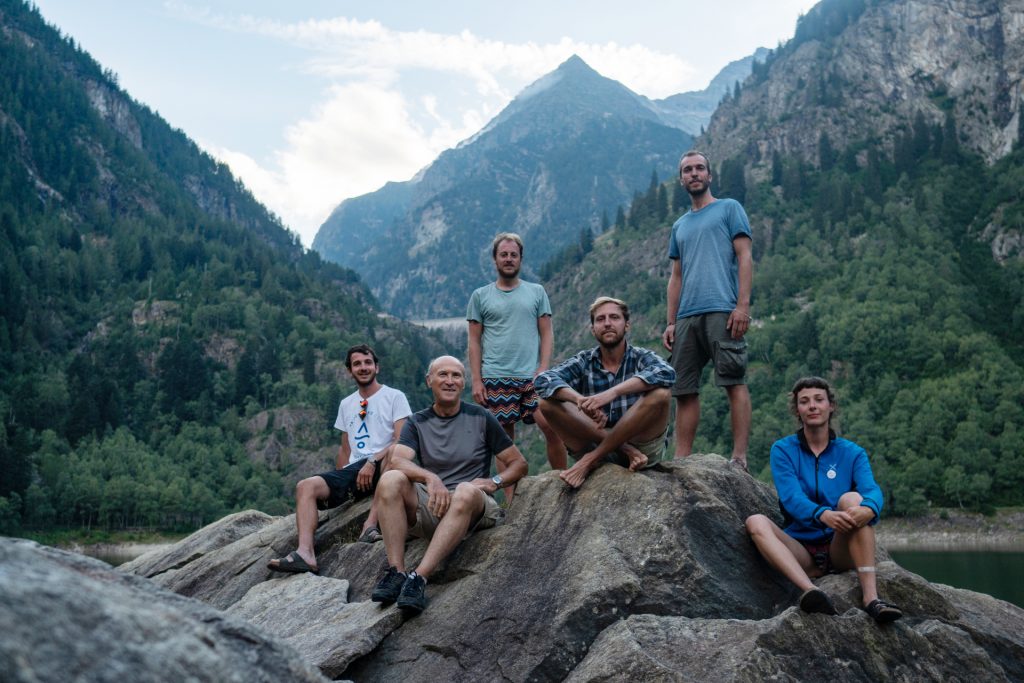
{"x":311,"y":102}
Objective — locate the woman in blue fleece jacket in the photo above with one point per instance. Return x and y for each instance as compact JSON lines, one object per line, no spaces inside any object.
{"x":830,"y":503}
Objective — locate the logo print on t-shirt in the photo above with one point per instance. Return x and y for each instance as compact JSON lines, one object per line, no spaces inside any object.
{"x":362,"y":434}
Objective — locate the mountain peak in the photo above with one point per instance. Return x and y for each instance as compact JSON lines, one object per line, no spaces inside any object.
{"x":575,"y":64}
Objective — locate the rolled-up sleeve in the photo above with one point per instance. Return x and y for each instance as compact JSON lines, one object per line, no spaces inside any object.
{"x":654,"y":370}
{"x":565,"y":374}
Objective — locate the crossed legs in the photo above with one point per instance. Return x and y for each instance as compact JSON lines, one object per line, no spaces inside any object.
{"x":645,"y":420}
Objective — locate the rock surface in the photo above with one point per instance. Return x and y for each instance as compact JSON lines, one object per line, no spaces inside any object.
{"x":313,"y":614}
{"x":646,"y":576}
{"x":66,"y":617}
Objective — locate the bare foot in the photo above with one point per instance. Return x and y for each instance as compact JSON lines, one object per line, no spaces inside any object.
{"x":636,"y":458}
{"x":575,"y":475}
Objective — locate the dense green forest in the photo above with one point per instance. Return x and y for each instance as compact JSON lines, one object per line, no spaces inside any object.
{"x":872,"y":268}
{"x":149,"y":309}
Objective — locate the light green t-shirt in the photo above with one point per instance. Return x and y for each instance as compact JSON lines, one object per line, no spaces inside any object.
{"x":511,"y":342}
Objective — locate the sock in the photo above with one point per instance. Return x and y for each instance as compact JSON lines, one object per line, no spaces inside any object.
{"x":413,"y":573}
{"x":866,"y":570}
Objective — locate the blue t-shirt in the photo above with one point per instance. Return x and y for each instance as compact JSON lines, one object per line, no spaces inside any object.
{"x":702,"y":241}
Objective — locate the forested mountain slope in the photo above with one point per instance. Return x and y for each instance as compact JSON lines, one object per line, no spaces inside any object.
{"x":890,"y":262}
{"x":152,"y":313}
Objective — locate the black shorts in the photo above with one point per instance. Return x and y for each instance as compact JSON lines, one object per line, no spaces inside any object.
{"x":342,"y":484}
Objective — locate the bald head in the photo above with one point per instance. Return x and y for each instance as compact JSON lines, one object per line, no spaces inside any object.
{"x":444,"y":360}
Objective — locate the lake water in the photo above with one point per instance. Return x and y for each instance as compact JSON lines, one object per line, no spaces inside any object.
{"x":1000,"y":574}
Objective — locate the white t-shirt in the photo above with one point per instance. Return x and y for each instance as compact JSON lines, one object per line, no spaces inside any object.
{"x":370,"y":436}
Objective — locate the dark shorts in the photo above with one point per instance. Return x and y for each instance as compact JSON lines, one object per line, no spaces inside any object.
{"x":700,"y":338}
{"x":342,"y":484}
{"x":511,"y":399}
{"x":821,"y":554}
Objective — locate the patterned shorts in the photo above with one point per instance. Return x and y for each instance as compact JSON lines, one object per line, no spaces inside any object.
{"x":511,"y":399}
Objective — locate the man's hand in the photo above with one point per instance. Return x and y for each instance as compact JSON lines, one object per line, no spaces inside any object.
{"x":668,"y":337}
{"x":591,"y":407}
{"x":739,"y":322}
{"x":364,"y":480}
{"x":439,"y":498}
{"x":479,"y":393}
{"x":485,"y":485}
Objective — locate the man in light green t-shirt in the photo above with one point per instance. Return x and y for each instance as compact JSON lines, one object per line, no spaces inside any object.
{"x":510,"y":342}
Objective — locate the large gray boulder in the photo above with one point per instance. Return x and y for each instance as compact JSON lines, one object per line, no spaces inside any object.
{"x":313,"y":614}
{"x":591,"y":583}
{"x":66,"y":617}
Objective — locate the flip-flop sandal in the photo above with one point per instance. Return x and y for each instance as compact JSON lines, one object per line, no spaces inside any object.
{"x":371,"y":535}
{"x":883,"y":612}
{"x":816,"y":601}
{"x":292,"y":563}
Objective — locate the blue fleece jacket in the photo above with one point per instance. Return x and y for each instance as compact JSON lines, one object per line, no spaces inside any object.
{"x":809,"y":485}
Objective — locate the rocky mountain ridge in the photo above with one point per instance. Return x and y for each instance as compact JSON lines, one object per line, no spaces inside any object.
{"x":861,"y":71}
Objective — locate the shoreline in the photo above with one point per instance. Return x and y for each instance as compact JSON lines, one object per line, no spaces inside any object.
{"x":951,"y":530}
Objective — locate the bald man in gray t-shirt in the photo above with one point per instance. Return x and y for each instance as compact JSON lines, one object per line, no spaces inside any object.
{"x":440,"y":486}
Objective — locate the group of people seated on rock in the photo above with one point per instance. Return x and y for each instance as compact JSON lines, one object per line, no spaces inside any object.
{"x":430,"y":472}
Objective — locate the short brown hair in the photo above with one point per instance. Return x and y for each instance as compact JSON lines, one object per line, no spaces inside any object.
{"x":813,"y":383}
{"x":602,"y":300}
{"x":359,"y":348}
{"x":694,"y":153}
{"x":506,"y":237}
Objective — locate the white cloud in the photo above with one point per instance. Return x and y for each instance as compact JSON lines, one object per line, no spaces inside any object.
{"x":365,"y":131}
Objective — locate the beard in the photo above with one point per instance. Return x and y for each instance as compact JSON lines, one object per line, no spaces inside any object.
{"x":503,"y":272}
{"x":367,"y":382}
{"x":696,"y":190}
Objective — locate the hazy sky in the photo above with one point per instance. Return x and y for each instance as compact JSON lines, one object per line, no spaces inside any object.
{"x":311,"y":102}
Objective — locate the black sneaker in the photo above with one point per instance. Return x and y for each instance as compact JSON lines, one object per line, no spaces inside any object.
{"x":414,"y":594}
{"x":389,"y":587}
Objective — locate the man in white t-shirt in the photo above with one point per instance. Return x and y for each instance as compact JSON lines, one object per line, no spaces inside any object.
{"x":370,"y":420}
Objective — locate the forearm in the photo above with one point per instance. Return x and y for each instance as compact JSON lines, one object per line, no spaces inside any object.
{"x":674,"y":289}
{"x":567,"y":395}
{"x":474,"y":350}
{"x":547,"y":343}
{"x":413,"y":471}
{"x":746,"y":277}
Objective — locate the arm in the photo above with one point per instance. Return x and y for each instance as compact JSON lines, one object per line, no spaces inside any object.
{"x":402,"y":459}
{"x":739,"y":319}
{"x":344,"y":452}
{"x":633,"y":385}
{"x":513,"y":469}
{"x":791,"y":494}
{"x":547,"y":343}
{"x":675,"y":288}
{"x":475,"y":352}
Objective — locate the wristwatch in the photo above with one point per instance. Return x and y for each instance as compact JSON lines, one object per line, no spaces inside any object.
{"x":497,"y":481}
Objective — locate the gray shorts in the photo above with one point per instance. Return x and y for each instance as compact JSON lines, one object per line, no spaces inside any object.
{"x":426,"y":522}
{"x":700,"y":338}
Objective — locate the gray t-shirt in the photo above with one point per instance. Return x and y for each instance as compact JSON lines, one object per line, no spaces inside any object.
{"x":457,"y":448}
{"x":511,"y":342}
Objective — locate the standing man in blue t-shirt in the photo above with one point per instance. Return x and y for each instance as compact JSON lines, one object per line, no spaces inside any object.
{"x":510,"y":343}
{"x":709,"y":304}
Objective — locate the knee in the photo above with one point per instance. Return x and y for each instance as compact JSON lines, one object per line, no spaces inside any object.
{"x":757,"y":524}
{"x":659,"y":395}
{"x":850,"y":499}
{"x":465,"y":498}
{"x":306,"y":487}
{"x":391,"y":485}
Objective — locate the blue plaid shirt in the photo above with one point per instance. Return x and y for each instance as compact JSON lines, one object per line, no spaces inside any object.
{"x":585,"y":374}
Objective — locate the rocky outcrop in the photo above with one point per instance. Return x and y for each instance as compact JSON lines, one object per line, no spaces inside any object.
{"x":66,"y":617}
{"x":646,"y":576}
{"x":897,"y":59}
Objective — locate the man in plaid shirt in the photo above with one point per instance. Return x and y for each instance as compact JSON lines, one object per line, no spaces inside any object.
{"x":609,"y":403}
